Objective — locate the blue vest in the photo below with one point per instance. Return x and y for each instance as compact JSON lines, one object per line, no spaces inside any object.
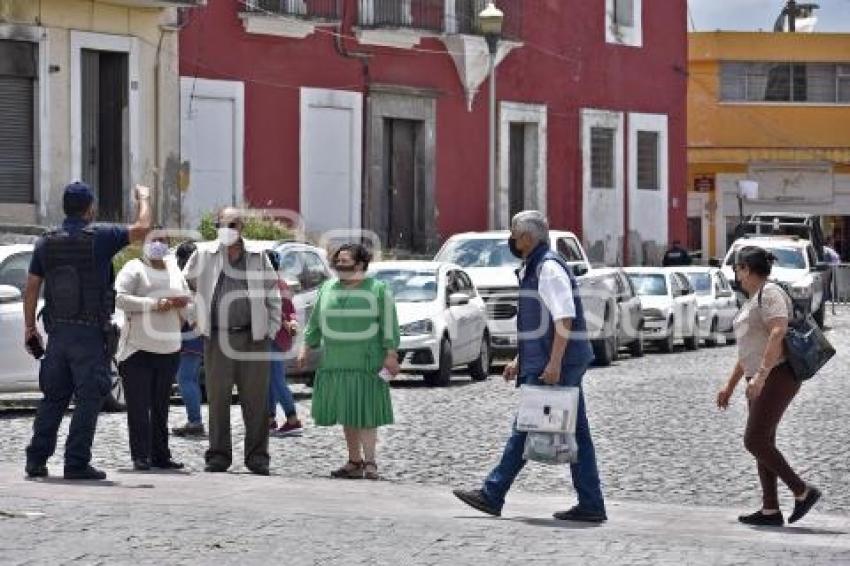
{"x":536,"y":327}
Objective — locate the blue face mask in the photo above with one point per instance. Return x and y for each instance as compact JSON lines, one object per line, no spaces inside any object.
{"x":156,"y":250}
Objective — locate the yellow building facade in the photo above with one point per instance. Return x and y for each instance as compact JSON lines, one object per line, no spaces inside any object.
{"x":89,"y":90}
{"x":773,"y":108}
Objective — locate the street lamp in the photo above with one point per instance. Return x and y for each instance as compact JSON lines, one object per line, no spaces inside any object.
{"x":490,"y":23}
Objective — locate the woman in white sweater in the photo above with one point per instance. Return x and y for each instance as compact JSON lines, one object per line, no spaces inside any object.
{"x":154,"y":296}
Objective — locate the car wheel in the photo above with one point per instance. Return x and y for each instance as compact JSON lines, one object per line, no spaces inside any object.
{"x":669,"y":341}
{"x":115,"y":401}
{"x":711,"y":339}
{"x":637,"y":348}
{"x":443,"y":376}
{"x":479,"y":370}
{"x":692,"y":341}
{"x":730,"y":338}
{"x":820,"y":315}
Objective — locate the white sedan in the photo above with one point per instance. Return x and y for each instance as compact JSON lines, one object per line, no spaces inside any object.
{"x":716,"y":302}
{"x":669,"y":306}
{"x":443,"y":320}
{"x":19,"y":371}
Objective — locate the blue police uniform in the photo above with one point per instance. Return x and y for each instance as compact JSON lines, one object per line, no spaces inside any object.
{"x":75,"y":363}
{"x":536,"y":332}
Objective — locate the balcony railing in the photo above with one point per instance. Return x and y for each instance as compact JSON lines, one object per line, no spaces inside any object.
{"x":308,"y":9}
{"x":439,"y":16}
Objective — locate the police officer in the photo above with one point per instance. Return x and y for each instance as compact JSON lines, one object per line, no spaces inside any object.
{"x":676,"y":255}
{"x":74,"y":262}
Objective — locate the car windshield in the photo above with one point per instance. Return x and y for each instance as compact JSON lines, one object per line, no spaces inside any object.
{"x":479,"y":253}
{"x":701,"y":282}
{"x":410,"y":285}
{"x":789,"y":258}
{"x":649,"y":283}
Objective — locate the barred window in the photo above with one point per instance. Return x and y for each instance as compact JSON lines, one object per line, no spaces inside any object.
{"x":647,"y":160}
{"x":785,"y":82}
{"x":602,"y":156}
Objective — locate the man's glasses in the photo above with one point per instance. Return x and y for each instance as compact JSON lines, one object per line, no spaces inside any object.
{"x":233,"y":224}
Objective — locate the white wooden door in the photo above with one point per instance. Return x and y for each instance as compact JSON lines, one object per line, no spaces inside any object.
{"x":331,"y":160}
{"x":212,"y":141}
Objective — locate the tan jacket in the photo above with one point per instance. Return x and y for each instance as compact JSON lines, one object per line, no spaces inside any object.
{"x":202,"y":272}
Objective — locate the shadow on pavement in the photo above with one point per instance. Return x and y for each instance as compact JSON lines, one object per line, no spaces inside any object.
{"x":790,"y":530}
{"x":556,"y":524}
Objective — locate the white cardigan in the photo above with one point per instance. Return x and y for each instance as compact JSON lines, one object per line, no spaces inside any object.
{"x":139,"y":287}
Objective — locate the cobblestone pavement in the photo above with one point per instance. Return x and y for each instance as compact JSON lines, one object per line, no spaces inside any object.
{"x":659,"y":436}
{"x":167,"y":518}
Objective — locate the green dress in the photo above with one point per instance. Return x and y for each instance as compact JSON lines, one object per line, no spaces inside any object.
{"x":356,"y":327}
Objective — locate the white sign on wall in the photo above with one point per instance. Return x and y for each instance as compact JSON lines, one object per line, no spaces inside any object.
{"x":793,"y":182}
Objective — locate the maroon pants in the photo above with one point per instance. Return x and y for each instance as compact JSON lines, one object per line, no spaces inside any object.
{"x":760,"y":437}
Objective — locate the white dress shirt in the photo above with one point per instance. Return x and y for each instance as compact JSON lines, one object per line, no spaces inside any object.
{"x":555,"y":290}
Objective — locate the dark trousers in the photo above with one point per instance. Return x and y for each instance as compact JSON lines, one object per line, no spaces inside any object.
{"x":148,"y":378}
{"x":235,"y":358}
{"x":75,"y":365}
{"x":760,"y":437}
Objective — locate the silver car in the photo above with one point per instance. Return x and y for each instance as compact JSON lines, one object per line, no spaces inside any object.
{"x":716,"y":303}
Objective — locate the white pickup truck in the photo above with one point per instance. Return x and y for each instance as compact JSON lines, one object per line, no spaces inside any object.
{"x":488,"y":261}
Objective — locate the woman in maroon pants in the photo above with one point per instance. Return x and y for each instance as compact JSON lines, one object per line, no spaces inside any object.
{"x":760,"y":329}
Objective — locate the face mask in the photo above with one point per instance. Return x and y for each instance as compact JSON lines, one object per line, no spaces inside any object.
{"x":156,"y":250}
{"x":345,"y":268}
{"x":512,"y":246}
{"x":227,"y":236}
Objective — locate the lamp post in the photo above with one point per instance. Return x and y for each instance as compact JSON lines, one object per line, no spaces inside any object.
{"x":490,"y":21}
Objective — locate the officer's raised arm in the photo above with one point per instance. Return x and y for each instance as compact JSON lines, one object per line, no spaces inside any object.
{"x":142,"y":226}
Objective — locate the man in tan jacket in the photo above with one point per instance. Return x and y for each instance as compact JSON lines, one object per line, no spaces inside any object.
{"x":238,"y":312}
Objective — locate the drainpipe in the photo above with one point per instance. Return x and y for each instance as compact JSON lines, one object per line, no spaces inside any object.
{"x":364,"y":58}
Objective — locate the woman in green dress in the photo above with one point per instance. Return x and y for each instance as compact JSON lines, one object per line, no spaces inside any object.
{"x":355,"y":322}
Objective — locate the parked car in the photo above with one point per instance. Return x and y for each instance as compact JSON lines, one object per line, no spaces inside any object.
{"x":442,"y":317}
{"x":629,"y":313}
{"x":716,"y":303}
{"x":490,"y":264}
{"x":19,"y":371}
{"x":669,"y":306}
{"x":796,"y":268}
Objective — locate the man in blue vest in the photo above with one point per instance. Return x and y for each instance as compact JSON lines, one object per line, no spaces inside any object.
{"x":552,"y":349}
{"x":74,"y":262}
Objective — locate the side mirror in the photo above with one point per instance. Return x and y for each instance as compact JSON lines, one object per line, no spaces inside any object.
{"x":10,"y":294}
{"x":724,"y":294}
{"x":714,"y":262}
{"x":579,"y":270}
{"x":458,"y":299}
{"x":820,"y":267}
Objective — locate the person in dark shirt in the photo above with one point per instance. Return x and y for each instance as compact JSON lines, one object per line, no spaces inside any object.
{"x":74,"y":262}
{"x":676,"y":255}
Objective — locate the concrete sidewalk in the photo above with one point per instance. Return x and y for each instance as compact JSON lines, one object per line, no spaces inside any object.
{"x":167,"y":518}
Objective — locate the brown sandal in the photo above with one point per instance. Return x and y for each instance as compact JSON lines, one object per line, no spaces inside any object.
{"x":350,"y":471}
{"x":370,"y":470}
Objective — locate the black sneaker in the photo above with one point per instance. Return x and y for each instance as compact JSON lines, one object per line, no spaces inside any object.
{"x":804,"y":506}
{"x":87,"y":473}
{"x":583,"y":515}
{"x":475,"y":499}
{"x":259,"y":469}
{"x":36,"y":471}
{"x":759,"y":519}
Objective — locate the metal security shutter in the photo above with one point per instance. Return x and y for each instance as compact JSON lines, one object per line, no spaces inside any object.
{"x":17,"y":116}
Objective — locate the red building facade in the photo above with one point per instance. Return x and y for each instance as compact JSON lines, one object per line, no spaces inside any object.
{"x":374,"y":114}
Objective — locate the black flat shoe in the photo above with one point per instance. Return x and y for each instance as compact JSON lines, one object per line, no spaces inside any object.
{"x":141,"y":465}
{"x":215,"y":468}
{"x":759,"y":519}
{"x":259,"y":469}
{"x":475,"y":499}
{"x":168,"y":465}
{"x":579,"y":514}
{"x":87,"y":473}
{"x":804,"y":506}
{"x":36,"y":471}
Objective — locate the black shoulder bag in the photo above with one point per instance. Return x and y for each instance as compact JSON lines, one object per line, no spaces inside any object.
{"x":806,"y":348}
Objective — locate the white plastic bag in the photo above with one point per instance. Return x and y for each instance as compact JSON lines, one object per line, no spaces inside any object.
{"x":547,"y":408}
{"x":550,"y":448}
